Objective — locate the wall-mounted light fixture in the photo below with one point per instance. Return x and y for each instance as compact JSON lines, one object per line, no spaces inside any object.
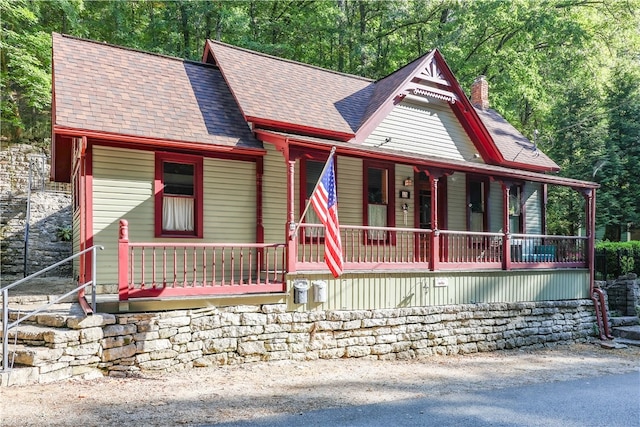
{"x":408,"y":182}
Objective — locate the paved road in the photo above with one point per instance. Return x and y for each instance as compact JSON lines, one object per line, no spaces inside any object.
{"x":608,"y":401}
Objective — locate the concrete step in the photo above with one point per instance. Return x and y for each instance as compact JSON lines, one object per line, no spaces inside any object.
{"x":624,"y":321}
{"x":627,"y":332}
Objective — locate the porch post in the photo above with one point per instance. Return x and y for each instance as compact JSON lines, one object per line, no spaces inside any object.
{"x":435,"y":234}
{"x":506,"y":241}
{"x":590,"y":223}
{"x":292,"y":242}
{"x":123,"y":265}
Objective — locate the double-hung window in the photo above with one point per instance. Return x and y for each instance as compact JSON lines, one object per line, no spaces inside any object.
{"x":516,"y":223}
{"x":378,"y":199}
{"x":178,"y":195}
{"x":477,"y":196}
{"x":311,"y":174}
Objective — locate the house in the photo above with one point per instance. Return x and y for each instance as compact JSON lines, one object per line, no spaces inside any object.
{"x":194,"y":175}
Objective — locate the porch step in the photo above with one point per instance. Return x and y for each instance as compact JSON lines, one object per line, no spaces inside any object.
{"x":627,"y":332}
{"x":55,"y":316}
{"x":625,"y":321}
{"x":43,"y":336}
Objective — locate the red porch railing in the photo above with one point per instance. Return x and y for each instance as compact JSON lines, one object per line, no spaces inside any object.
{"x":466,"y":249}
{"x":186,"y":269}
{"x":366,"y":248}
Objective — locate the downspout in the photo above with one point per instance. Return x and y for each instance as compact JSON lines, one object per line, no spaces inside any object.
{"x":596,"y":294}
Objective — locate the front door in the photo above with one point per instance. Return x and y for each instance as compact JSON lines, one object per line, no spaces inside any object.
{"x":423,"y":194}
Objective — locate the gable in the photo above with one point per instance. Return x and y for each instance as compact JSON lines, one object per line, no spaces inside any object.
{"x":427,"y":128}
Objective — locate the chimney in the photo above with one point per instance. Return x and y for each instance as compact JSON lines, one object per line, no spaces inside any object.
{"x":480,"y":93}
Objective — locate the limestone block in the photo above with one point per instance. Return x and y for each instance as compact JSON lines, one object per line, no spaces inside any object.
{"x":206,"y":334}
{"x":221,"y":345}
{"x":116,"y":353}
{"x":98,"y":319}
{"x":277,"y":355}
{"x":251,"y":348}
{"x":230,"y":319}
{"x":370,"y":323}
{"x":301,"y":327}
{"x":91,"y":335}
{"x":53,"y":367}
{"x":180,"y":338}
{"x":284,"y":318}
{"x":53,"y":320}
{"x":163,"y":354}
{"x":276,"y":328}
{"x":274,"y":308}
{"x":61,"y":336}
{"x":157,"y":365}
{"x":152,"y":345}
{"x":89,"y":349}
{"x":174,"y":322}
{"x":396,"y":321}
{"x":19,"y":376}
{"x":119,"y":341}
{"x":328,"y":325}
{"x":357,"y":351}
{"x":115,"y":330}
{"x":167,"y":332}
{"x":57,"y":375}
{"x":339,"y":315}
{"x":245,"y":331}
{"x":205,"y":323}
{"x":143,"y":336}
{"x":381,"y":349}
{"x":253,"y":319}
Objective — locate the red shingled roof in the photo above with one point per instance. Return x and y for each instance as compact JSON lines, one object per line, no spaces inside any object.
{"x":516,"y":149}
{"x":282,"y":91}
{"x":106,"y":88}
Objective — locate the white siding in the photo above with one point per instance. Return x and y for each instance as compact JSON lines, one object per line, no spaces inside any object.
{"x":533,"y":208}
{"x":424,"y":129}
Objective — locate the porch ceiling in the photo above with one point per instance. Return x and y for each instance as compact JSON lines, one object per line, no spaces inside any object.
{"x":414,"y":159}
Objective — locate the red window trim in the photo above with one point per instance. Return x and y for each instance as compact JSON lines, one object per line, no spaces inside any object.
{"x":391,"y":197}
{"x":302,"y":191}
{"x":198,"y":222}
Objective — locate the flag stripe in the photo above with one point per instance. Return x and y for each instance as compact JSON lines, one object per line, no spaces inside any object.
{"x":325,"y":202}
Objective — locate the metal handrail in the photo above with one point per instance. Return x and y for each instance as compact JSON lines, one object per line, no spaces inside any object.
{"x":5,"y":298}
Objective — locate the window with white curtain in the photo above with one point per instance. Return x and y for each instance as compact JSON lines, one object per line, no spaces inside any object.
{"x":178,"y":197}
{"x":178,"y":193}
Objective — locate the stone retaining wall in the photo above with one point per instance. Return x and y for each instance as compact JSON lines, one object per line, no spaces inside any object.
{"x":125,"y":343}
{"x":623,"y":296}
{"x":50,"y":212}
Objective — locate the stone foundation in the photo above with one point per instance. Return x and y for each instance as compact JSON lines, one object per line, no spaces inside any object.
{"x":125,"y":343}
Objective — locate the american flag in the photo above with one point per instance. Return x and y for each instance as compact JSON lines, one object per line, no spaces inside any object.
{"x":325,"y":203}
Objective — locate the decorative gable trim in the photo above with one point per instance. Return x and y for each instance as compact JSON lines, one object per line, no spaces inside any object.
{"x":431,"y":72}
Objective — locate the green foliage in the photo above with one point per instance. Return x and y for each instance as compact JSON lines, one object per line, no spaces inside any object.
{"x":566,"y":68}
{"x":64,"y":234}
{"x":617,"y":258}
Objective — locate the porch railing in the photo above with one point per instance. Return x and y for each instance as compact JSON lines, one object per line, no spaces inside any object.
{"x":191,"y":269}
{"x":366,"y":247}
{"x":541,"y":248}
{"x":471,"y":248}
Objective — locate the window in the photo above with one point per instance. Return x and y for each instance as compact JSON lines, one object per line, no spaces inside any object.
{"x":477,"y":200}
{"x":515,"y":209}
{"x":178,"y":200}
{"x":379,"y":200}
{"x":311,"y":170}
